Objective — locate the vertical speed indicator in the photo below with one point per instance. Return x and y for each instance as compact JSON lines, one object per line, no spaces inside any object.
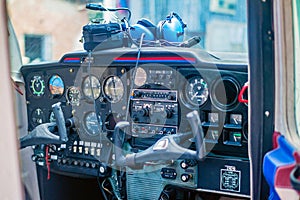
{"x":37,"y":86}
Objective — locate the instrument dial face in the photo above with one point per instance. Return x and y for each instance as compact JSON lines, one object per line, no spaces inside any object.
{"x":91,"y":87}
{"x":91,"y":123}
{"x":236,"y":119}
{"x":73,"y":96}
{"x":113,"y":89}
{"x":37,"y":86}
{"x":140,"y":77}
{"x":37,"y":116}
{"x":197,"y":91}
{"x":56,"y":85}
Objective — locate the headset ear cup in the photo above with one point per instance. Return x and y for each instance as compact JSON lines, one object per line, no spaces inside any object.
{"x":171,"y":29}
{"x":137,"y":30}
{"x":148,"y":24}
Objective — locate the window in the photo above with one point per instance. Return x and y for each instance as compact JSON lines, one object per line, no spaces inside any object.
{"x":223,"y":6}
{"x":36,"y":48}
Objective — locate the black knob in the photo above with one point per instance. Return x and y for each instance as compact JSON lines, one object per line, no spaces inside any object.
{"x":137,"y":93}
{"x":93,"y":165}
{"x":171,"y":96}
{"x":184,"y":165}
{"x":169,"y":113}
{"x":144,"y":112}
{"x":185,"y":177}
{"x":81,"y":163}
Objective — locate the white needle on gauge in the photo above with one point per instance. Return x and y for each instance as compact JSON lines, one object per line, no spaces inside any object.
{"x":194,"y":95}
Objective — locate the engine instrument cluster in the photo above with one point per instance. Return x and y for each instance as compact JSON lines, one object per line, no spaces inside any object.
{"x":154,"y":98}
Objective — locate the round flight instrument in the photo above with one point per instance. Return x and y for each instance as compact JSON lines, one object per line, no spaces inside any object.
{"x":91,"y":91}
{"x":113,"y":89}
{"x":73,"y":96}
{"x":56,"y":85}
{"x":91,"y":123}
{"x":37,"y":86}
{"x":140,"y":77}
{"x":197,"y":91}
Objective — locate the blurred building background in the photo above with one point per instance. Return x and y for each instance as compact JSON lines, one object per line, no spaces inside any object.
{"x":221,"y":24}
{"x":46,"y":29}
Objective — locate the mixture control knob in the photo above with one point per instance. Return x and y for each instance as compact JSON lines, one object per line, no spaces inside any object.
{"x":186,"y":177}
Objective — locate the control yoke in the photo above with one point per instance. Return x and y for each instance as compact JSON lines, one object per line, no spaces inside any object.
{"x":165,"y":149}
{"x":42,"y":134}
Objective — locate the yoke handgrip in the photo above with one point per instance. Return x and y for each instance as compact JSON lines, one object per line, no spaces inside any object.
{"x":195,"y":123}
{"x":60,"y":121}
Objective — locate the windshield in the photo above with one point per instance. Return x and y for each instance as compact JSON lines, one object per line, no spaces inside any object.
{"x":47,"y":29}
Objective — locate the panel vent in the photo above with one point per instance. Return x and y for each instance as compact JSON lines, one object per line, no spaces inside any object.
{"x":144,"y":186}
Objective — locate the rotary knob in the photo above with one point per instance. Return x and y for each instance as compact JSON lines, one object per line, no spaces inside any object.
{"x":169,"y":113}
{"x":144,"y":111}
{"x":171,"y":96}
{"x":186,"y":177}
{"x":137,"y":93}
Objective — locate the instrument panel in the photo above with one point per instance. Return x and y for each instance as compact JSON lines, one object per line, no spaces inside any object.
{"x":154,"y":97}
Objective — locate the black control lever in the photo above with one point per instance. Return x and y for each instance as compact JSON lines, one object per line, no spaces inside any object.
{"x":195,"y":122}
{"x":42,"y":134}
{"x":164,"y":149}
{"x":60,"y":121}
